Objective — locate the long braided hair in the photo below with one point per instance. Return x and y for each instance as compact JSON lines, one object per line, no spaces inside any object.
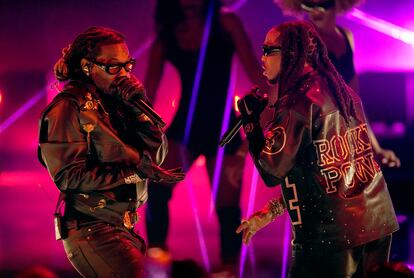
{"x":301,"y":43}
{"x":86,"y":45}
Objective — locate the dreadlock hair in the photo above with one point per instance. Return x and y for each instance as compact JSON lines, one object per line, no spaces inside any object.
{"x":86,"y":45}
{"x":293,"y":7}
{"x":301,"y":44}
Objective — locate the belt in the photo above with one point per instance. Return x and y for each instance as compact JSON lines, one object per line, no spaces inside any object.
{"x":79,"y":223}
{"x":129,"y":220}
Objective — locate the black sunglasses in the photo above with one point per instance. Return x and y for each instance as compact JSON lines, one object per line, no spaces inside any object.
{"x":269,"y":50}
{"x":113,"y":69}
{"x":308,"y":6}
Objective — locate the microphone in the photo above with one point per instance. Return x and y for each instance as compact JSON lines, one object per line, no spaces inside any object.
{"x":230,"y":133}
{"x":150,"y":113}
{"x":132,"y":91}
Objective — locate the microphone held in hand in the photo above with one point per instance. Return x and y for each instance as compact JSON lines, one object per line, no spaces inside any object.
{"x":250,"y":107}
{"x":231,"y":132}
{"x":150,"y":113}
{"x":132,"y":91}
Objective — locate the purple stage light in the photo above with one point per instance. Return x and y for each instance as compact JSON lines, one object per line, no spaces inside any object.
{"x":198,"y":74}
{"x":23,"y":109}
{"x":189,"y":121}
{"x":286,"y":247}
{"x":237,"y":5}
{"x":252,"y":198}
{"x":194,"y":207}
{"x":224,"y":127}
{"x":382,"y":26}
{"x":225,"y":123}
{"x":144,"y":47}
{"x":398,"y":129}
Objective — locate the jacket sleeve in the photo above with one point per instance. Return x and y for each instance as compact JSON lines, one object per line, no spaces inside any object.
{"x":152,"y":139}
{"x":64,"y":150}
{"x":275,"y":152}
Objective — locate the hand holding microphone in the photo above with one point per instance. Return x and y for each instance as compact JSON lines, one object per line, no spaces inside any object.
{"x":132,"y":93}
{"x":250,"y":107}
{"x":129,"y":88}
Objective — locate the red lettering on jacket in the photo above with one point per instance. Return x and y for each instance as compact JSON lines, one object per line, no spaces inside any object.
{"x":351,"y":152}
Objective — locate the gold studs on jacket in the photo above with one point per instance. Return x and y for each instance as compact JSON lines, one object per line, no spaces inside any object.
{"x":88,"y":127}
{"x":90,"y":103}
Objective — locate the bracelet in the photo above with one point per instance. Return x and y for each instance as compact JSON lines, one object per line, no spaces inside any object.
{"x":132,"y":179}
{"x":276,"y":207}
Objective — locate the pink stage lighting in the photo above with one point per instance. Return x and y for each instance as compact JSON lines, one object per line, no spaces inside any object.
{"x":382,"y":26}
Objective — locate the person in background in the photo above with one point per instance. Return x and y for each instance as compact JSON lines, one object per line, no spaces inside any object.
{"x":340,"y":43}
{"x":100,"y":150}
{"x":180,"y":25}
{"x":317,"y":147}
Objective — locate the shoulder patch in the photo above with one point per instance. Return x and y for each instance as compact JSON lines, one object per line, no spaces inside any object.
{"x":275,"y":140}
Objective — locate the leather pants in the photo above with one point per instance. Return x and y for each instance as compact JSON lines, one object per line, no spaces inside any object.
{"x":102,"y":250}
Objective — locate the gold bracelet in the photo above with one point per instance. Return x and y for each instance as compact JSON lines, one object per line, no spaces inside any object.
{"x":276,"y":207}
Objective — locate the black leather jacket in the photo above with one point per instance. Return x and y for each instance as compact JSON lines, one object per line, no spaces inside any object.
{"x":333,"y":188}
{"x":92,"y":147}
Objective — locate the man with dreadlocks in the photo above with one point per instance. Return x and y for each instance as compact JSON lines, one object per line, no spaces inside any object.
{"x":317,"y":147}
{"x":100,"y":150}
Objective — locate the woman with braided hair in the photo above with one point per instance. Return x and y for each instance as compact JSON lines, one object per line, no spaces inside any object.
{"x":317,"y":148}
{"x":340,"y":44}
{"x":100,"y":150}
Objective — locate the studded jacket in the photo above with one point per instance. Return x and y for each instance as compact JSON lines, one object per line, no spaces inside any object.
{"x":333,"y":188}
{"x":92,"y":147}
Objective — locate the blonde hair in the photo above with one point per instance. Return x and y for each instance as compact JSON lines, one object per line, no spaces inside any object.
{"x":292,"y":7}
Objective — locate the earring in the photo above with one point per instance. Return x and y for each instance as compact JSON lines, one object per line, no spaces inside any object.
{"x":86,"y":71}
